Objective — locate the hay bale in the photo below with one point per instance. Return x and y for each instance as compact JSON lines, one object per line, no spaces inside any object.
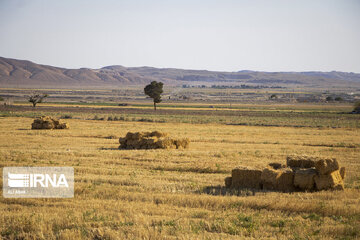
{"x":327,"y":165}
{"x":246,"y":177}
{"x":122,"y":140}
{"x":285,"y":180}
{"x":332,"y":181}
{"x":43,"y":125}
{"x":48,"y":125}
{"x":139,"y":135}
{"x":129,"y":135}
{"x":182,"y":143}
{"x":303,"y":161}
{"x":46,"y":122}
{"x":342,"y":172}
{"x":36,"y":125}
{"x":268,"y":178}
{"x":276,"y":165}
{"x":62,"y":126}
{"x":151,"y":140}
{"x":304,"y":179}
{"x":279,"y":180}
{"x":165,"y":143}
{"x":228,"y":181}
{"x":158,"y":134}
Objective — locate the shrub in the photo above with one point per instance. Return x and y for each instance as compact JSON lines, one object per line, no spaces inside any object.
{"x":338,"y":99}
{"x":67,"y":116}
{"x":329,"y":99}
{"x":273,"y":96}
{"x":145,"y":120}
{"x":357,"y":107}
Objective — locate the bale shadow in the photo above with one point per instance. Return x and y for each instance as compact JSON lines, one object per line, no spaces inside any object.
{"x":224,"y":191}
{"x":241,"y":192}
{"x":109,"y":148}
{"x":117,"y":148}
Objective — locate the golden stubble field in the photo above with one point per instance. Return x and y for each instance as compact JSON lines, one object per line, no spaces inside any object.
{"x":176,"y":194}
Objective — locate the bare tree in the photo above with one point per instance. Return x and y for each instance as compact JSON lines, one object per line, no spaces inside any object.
{"x":37,"y":98}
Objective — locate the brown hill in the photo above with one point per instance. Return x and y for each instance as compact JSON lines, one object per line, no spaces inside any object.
{"x":21,"y":73}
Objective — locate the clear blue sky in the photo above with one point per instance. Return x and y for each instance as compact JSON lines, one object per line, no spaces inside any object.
{"x":266,"y":35}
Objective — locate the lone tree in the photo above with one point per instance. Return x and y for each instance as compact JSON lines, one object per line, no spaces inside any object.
{"x":154,"y":90}
{"x":37,"y":98}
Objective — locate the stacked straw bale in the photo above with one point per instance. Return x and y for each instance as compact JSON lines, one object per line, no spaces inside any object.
{"x":301,"y":173}
{"x":278,"y":179}
{"x":329,"y":174}
{"x":327,"y":166}
{"x":332,"y":180}
{"x":46,"y":122}
{"x":305,"y":179}
{"x":151,"y":140}
{"x":228,"y":182}
{"x":246,"y":177}
{"x":302,"y":161}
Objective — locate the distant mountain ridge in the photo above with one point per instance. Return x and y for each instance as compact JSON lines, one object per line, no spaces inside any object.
{"x":22,"y":73}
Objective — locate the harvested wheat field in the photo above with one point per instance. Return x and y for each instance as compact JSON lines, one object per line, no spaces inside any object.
{"x":179,"y":193}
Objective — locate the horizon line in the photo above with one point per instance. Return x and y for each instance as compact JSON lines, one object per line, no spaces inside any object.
{"x":186,"y":69}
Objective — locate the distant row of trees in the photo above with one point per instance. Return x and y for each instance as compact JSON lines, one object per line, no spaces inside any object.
{"x":330,"y":99}
{"x":244,"y":86}
{"x":155,"y":89}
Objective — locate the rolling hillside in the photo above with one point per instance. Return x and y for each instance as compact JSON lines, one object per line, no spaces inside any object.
{"x":21,"y":73}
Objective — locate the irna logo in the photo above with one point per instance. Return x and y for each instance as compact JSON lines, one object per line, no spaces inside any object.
{"x":36,"y":180}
